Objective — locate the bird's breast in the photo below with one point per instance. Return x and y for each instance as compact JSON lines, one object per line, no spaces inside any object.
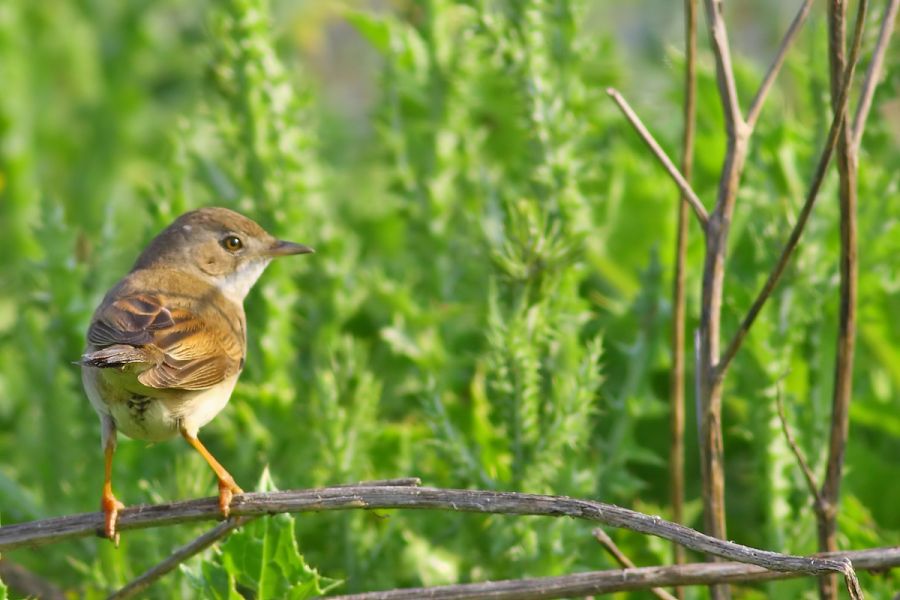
{"x":153,"y":415}
{"x":144,"y":418}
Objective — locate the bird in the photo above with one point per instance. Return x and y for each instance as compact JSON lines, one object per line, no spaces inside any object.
{"x":167,"y":343}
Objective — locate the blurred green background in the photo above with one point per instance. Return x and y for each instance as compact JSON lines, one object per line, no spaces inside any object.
{"x":489,"y":302}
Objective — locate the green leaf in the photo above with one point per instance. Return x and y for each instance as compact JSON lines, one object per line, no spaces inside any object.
{"x":212,"y":581}
{"x":264,"y":557}
{"x":242,"y":554}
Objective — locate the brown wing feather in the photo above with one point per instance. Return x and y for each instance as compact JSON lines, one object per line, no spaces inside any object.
{"x":131,"y":320}
{"x":180,"y":349}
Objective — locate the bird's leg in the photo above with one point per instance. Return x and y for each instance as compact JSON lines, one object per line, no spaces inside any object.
{"x":227,"y":486}
{"x":108,"y":502}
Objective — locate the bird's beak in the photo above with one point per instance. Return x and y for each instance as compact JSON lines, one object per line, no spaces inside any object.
{"x":283,"y":248}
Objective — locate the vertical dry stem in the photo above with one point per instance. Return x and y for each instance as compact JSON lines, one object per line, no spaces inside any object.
{"x":843,"y":370}
{"x":676,"y":453}
{"x":711,"y":375}
{"x":711,"y":443}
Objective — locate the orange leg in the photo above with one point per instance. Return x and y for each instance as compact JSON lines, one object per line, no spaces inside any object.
{"x":227,"y":486}
{"x":108,"y":503}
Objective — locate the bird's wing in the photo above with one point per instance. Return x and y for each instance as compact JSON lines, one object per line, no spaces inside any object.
{"x":175,"y":347}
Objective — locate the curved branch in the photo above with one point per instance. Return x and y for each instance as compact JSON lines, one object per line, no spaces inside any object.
{"x":605,"y":582}
{"x":57,"y":529}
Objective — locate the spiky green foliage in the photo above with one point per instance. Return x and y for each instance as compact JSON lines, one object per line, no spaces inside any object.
{"x":483,"y":218}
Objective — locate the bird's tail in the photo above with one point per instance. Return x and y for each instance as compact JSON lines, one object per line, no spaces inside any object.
{"x":114,"y":357}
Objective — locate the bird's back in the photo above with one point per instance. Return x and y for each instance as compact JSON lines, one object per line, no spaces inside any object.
{"x":163,"y":348}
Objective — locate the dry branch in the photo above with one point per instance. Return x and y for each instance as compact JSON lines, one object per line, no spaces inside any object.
{"x":209,"y":538}
{"x":676,"y":381}
{"x":606,"y":582}
{"x":811,"y":196}
{"x":738,"y":131}
{"x":873,"y":73}
{"x":23,"y":582}
{"x":58,"y":529}
{"x":786,"y":43}
{"x":712,"y":448}
{"x":712,"y":364}
{"x":661,"y":155}
{"x":718,"y":34}
{"x":180,"y":555}
{"x":625,"y":562}
{"x":842,"y":393}
{"x":795,"y":449}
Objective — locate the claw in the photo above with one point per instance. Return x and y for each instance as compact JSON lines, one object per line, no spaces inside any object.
{"x":227,"y":489}
{"x":110,"y":507}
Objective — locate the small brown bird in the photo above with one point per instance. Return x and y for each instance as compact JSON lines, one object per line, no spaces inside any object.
{"x":167,"y":344}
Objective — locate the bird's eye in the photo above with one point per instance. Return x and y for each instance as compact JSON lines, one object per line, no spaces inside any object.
{"x":232,"y":243}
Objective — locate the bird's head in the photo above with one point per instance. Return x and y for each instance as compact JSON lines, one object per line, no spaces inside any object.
{"x":219,"y":245}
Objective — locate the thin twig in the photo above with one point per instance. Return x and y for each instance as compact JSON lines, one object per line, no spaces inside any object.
{"x":734,"y":123}
{"x":661,"y":155}
{"x":786,"y":42}
{"x":873,"y":73}
{"x":611,"y":547}
{"x":676,"y":392}
{"x":606,"y":582}
{"x":811,"y":195}
{"x":23,"y":582}
{"x":180,"y":555}
{"x":798,"y":454}
{"x":204,"y":541}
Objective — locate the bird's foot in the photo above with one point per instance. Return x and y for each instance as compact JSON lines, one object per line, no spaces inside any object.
{"x":110,"y":507}
{"x":227,"y":489}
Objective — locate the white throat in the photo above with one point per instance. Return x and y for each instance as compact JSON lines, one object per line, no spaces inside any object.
{"x":237,"y":285}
